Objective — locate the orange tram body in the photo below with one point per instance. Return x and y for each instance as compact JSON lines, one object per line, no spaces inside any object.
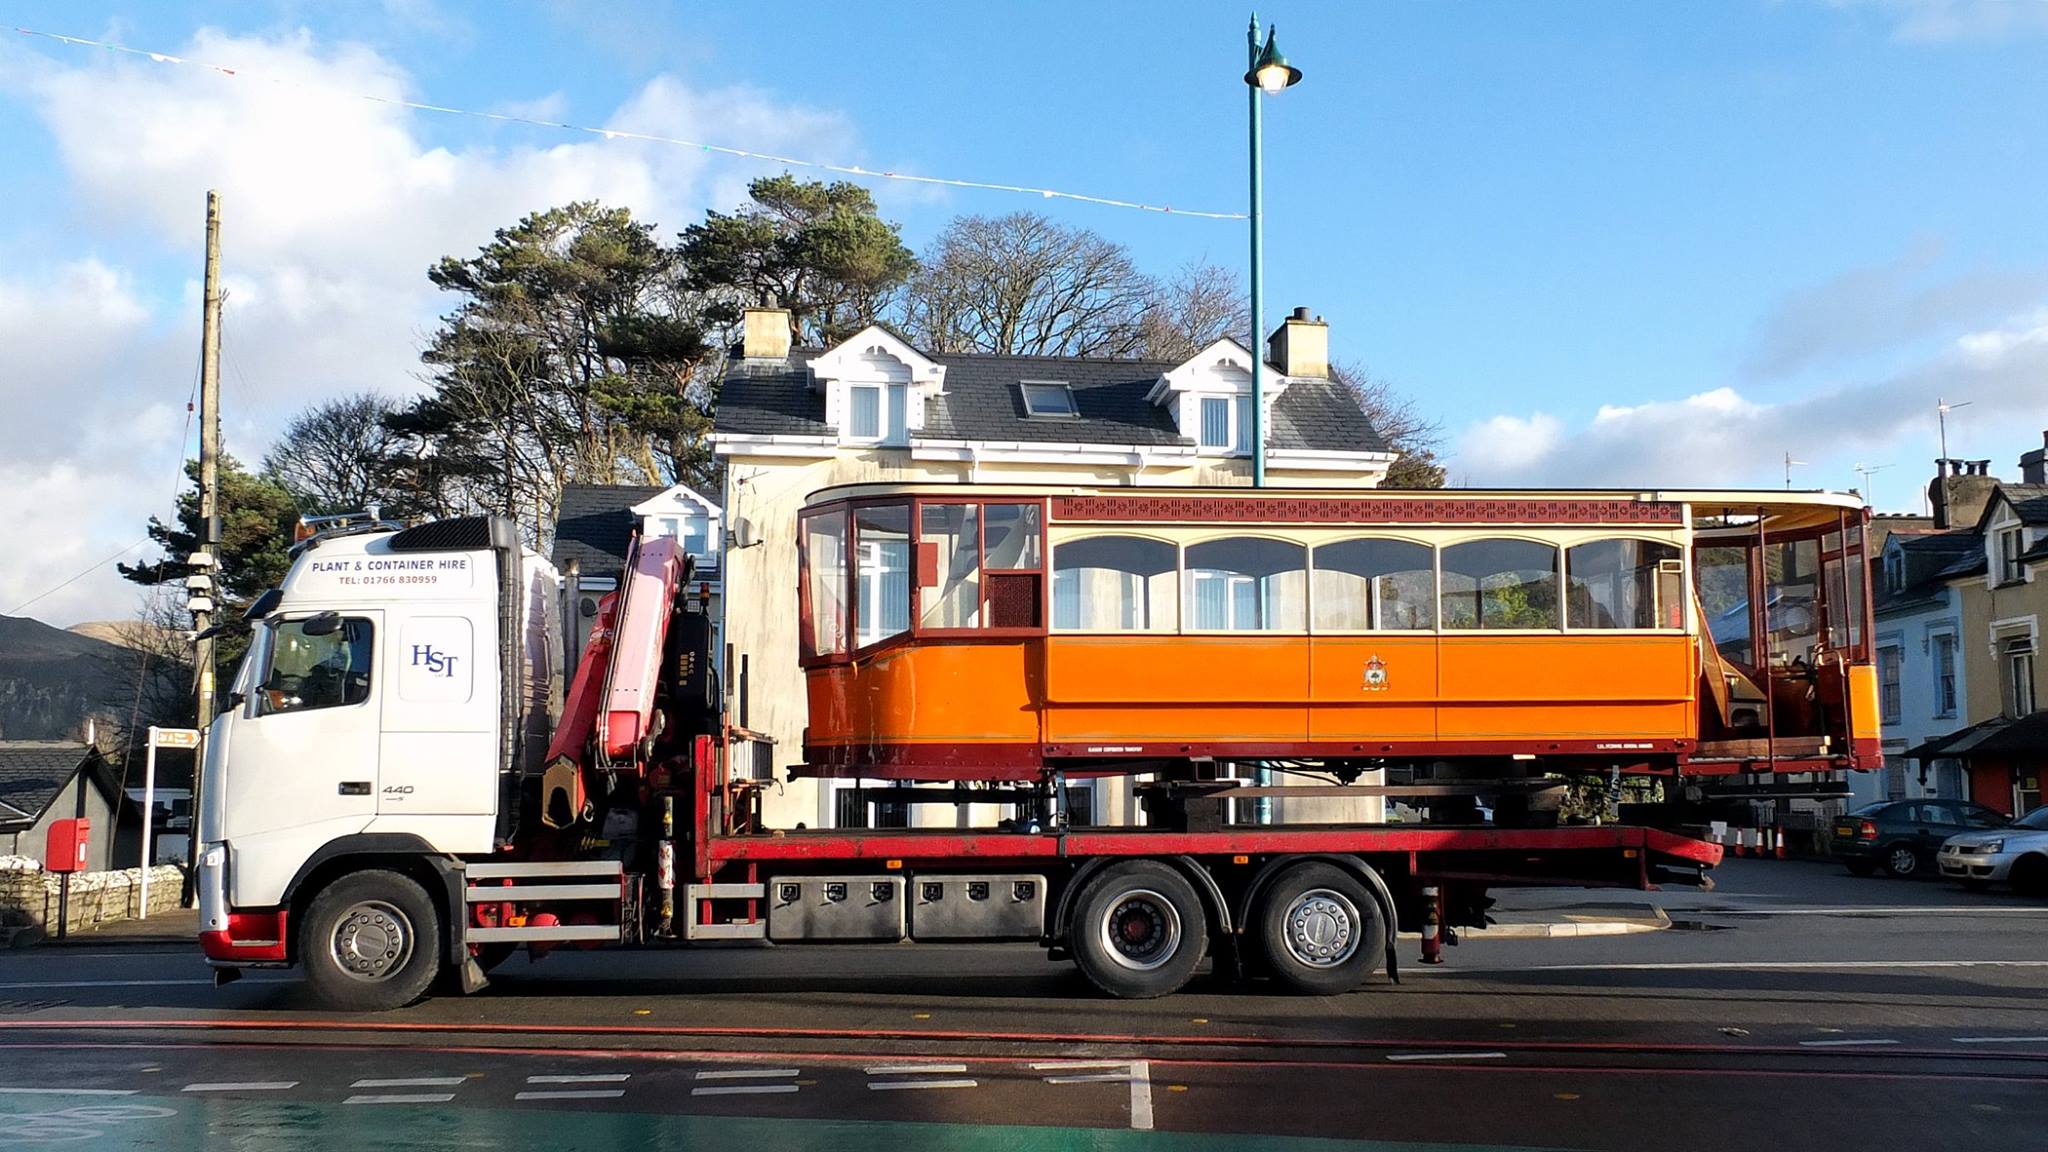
{"x":1005,"y":633}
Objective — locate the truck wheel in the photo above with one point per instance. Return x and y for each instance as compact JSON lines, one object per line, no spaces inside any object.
{"x":371,"y":942}
{"x":2030,"y":876}
{"x":1138,"y":930}
{"x":1321,"y":929}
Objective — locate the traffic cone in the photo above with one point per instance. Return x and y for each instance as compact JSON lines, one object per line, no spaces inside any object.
{"x":1778,"y":842}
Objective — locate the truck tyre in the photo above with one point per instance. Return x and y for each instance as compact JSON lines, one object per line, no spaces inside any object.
{"x":371,"y":942}
{"x":2030,"y":876}
{"x":1321,"y":929}
{"x":1138,"y":930}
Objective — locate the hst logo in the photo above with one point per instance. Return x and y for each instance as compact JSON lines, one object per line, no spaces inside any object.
{"x":435,"y":661}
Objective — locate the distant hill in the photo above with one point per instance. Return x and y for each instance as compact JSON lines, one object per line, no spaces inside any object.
{"x":126,"y":633}
{"x":50,"y":679}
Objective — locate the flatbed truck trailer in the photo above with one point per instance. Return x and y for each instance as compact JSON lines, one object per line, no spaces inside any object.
{"x":397,"y":798}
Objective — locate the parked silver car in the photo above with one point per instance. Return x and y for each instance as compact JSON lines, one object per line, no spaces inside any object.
{"x":2017,"y":853}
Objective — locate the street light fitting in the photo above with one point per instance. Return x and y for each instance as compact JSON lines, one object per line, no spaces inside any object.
{"x":1271,"y":72}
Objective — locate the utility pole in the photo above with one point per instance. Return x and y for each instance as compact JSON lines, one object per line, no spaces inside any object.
{"x":204,"y":561}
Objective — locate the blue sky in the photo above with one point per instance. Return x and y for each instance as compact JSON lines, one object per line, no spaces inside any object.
{"x":1603,"y":243}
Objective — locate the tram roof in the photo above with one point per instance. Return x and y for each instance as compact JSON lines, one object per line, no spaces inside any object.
{"x":1781,"y":509}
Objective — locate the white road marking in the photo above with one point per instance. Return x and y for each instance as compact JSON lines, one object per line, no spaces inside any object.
{"x":1447,"y":1056}
{"x":911,"y":1069}
{"x":68,"y":1091}
{"x":2001,"y":1039}
{"x":1851,"y":910}
{"x":23,"y":985}
{"x":244,"y":1086}
{"x":746,"y":1073}
{"x":589,"y":1078}
{"x":403,"y":1098}
{"x":742,"y":1089}
{"x":574,"y":1094}
{"x":1843,"y":1043}
{"x":413,"y":1082}
{"x":1136,"y":1073}
{"x":889,"y":1085}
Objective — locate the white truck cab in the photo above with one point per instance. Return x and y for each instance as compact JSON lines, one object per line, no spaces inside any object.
{"x":398,"y":681}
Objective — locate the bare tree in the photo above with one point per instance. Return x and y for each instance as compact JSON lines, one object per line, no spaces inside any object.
{"x":1024,"y":285}
{"x":1405,"y":427}
{"x":1197,"y":306}
{"x":339,"y":455}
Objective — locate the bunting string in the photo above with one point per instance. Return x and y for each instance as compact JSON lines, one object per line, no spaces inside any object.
{"x":853,"y":170}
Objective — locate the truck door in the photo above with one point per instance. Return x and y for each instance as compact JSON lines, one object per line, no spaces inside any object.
{"x":440,"y":732}
{"x":301,"y":757}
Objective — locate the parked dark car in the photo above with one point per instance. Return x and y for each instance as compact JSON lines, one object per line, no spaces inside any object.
{"x":1902,"y":836}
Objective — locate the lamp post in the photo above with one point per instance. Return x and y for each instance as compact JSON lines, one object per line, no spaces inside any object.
{"x":1268,"y":72}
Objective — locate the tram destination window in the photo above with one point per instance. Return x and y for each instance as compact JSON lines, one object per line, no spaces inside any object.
{"x":1375,"y":585}
{"x":1115,"y":584}
{"x":1500,"y":584}
{"x":1246,"y":584}
{"x":1623,"y":584}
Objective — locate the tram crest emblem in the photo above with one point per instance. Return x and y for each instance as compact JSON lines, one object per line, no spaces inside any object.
{"x":1375,"y":675}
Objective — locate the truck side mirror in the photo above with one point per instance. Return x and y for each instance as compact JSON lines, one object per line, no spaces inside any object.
{"x":324,"y":624}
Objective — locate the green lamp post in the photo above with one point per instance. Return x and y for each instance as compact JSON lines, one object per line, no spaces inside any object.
{"x":1269,"y":72}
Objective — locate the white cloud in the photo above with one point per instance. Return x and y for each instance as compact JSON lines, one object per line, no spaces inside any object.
{"x":333,"y":208}
{"x":1724,"y":437}
{"x":1939,"y":20}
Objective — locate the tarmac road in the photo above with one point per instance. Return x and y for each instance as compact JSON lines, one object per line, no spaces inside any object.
{"x":1795,"y":1006}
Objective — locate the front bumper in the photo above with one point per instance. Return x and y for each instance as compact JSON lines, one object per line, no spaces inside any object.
{"x":230,"y":939}
{"x":1984,"y":867}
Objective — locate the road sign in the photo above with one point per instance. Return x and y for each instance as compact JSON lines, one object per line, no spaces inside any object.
{"x":174,"y":737}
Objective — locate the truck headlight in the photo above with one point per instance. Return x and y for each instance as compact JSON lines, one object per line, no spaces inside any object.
{"x":215,"y":856}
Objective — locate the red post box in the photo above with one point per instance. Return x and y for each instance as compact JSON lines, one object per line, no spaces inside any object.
{"x":65,"y":849}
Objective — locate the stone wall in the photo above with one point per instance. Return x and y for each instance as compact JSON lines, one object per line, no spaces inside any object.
{"x":31,"y":896}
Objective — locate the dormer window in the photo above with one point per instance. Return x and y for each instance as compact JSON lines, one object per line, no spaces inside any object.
{"x":1226,"y":423}
{"x":1050,"y":398}
{"x":1894,"y":573}
{"x":2011,"y":543}
{"x":875,"y":413}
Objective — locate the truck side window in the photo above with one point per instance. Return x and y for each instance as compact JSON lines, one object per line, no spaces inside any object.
{"x":325,"y":671}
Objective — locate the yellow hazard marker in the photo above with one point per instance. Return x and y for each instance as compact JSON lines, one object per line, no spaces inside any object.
{"x":1198,"y":1020}
{"x":643,"y":1011}
{"x":920,"y":1015}
{"x":1176,"y":1087}
{"x":1567,"y":1095}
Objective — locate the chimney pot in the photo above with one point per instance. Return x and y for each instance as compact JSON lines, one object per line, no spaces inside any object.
{"x":1300,"y":314}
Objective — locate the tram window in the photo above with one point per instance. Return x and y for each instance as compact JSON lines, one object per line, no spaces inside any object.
{"x":882,"y":567}
{"x":1792,"y":581}
{"x":1246,"y":584}
{"x":1623,"y":584}
{"x":950,"y":568}
{"x":1845,"y":593}
{"x":824,"y":536}
{"x":1115,"y":584}
{"x":1500,"y":584}
{"x":1382,"y":585}
{"x":1720,"y":574}
{"x":1012,"y":536}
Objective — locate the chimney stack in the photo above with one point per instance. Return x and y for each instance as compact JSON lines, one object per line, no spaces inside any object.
{"x":1300,"y":346}
{"x":766,"y":335}
{"x":1959,"y":492}
{"x":2034,"y":465}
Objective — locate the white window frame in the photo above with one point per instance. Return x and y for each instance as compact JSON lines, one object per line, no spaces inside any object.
{"x":892,"y":407}
{"x":2009,"y":541}
{"x":1236,"y":422}
{"x":1891,"y":682}
{"x":1947,"y":687}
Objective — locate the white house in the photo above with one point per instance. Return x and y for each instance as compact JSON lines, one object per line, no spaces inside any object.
{"x":596,"y":522}
{"x":1919,"y":628}
{"x":874,"y":408}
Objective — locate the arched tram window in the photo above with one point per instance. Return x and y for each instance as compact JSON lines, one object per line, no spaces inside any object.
{"x":1115,"y":584}
{"x":1500,"y":583}
{"x":1247,"y":584}
{"x":1376,"y":585}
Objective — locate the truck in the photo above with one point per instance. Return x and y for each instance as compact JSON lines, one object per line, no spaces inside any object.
{"x":404,"y":787}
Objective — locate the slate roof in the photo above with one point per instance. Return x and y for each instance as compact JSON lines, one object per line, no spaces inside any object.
{"x":33,"y":772}
{"x":1931,"y":562}
{"x":2029,"y":500}
{"x":983,"y":402}
{"x":594,"y":524}
{"x":2026,"y":736}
